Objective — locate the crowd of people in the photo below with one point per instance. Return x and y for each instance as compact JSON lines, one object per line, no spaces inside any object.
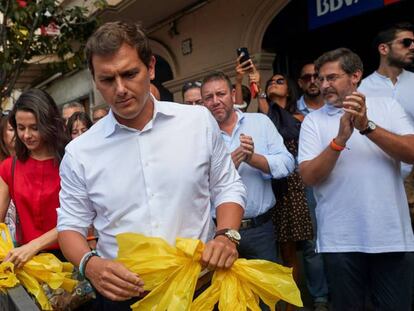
{"x":323,"y":172}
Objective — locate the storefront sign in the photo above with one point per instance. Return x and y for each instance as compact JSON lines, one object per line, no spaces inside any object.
{"x":323,"y":12}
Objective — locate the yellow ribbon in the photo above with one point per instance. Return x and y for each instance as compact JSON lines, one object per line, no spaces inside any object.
{"x":170,"y":274}
{"x":41,"y":268}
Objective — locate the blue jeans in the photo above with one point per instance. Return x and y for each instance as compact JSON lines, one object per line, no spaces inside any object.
{"x":258,"y":243}
{"x":384,"y":279}
{"x":313,"y":262}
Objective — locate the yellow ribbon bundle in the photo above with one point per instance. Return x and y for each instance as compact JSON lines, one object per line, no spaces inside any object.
{"x":170,"y":274}
{"x":41,"y":268}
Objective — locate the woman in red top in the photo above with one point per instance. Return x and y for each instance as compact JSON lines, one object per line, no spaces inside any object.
{"x":35,"y":184}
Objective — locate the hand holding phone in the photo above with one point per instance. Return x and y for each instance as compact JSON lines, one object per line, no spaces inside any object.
{"x":244,"y":53}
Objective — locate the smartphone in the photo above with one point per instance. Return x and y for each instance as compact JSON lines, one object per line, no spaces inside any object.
{"x":245,"y":54}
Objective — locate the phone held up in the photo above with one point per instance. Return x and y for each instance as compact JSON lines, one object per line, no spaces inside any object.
{"x":244,"y":53}
{"x":245,"y":56}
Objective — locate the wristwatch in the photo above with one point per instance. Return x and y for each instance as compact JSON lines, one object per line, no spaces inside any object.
{"x":231,"y":234}
{"x":262,"y":94}
{"x":370,"y":127}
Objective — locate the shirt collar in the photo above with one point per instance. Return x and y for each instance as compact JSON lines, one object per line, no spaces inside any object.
{"x":332,"y":110}
{"x":160,"y":109}
{"x":302,"y":107}
{"x":380,"y":76}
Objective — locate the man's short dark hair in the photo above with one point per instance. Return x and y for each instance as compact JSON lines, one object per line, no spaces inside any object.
{"x":349,"y":61}
{"x":108,"y":38}
{"x":389,"y":33}
{"x":217,"y":76}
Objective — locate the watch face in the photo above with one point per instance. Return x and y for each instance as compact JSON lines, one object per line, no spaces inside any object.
{"x":371,"y":125}
{"x":234,"y":234}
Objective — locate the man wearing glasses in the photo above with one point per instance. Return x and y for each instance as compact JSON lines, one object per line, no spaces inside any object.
{"x":311,"y":99}
{"x":350,"y":152}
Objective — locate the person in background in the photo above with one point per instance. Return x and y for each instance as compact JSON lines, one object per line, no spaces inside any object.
{"x":78,"y":124}
{"x":7,"y":141}
{"x":317,"y":284}
{"x":291,"y":214}
{"x":364,"y":230}
{"x":70,"y":108}
{"x":98,"y":114}
{"x":191,"y":93}
{"x":312,"y":98}
{"x":7,"y":137}
{"x":32,"y":180}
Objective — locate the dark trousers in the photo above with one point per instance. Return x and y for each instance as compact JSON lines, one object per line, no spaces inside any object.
{"x":384,"y":279}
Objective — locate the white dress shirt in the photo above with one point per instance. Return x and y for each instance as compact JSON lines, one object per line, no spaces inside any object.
{"x":162,"y":181}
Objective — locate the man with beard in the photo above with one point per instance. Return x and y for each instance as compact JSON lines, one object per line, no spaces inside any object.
{"x":364,"y":230}
{"x":311,"y":99}
{"x":395,"y":46}
{"x":258,"y":153}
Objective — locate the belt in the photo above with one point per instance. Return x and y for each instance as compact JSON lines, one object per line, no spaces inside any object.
{"x":253,"y":222}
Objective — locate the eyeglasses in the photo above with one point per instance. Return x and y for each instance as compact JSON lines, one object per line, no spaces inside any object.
{"x":308,"y":77}
{"x":330,"y":78}
{"x":406,"y":42}
{"x":190,"y":85}
{"x":278,"y":81}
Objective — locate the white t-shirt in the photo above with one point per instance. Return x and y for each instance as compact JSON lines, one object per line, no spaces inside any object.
{"x":376,"y":85}
{"x":361,"y":206}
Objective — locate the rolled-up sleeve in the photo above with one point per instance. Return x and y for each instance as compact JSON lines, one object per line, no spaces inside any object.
{"x":281,"y":162}
{"x":75,"y":212}
{"x":225,"y":182}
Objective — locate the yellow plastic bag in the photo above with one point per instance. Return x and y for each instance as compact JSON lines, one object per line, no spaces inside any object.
{"x":41,"y":268}
{"x":240,"y":287}
{"x":170,"y":274}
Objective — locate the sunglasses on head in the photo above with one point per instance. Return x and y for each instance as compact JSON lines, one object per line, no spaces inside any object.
{"x":406,"y":42}
{"x":5,"y":112}
{"x":308,"y":77}
{"x":190,"y":85}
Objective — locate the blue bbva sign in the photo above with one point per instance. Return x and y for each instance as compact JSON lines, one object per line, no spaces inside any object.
{"x":323,"y":12}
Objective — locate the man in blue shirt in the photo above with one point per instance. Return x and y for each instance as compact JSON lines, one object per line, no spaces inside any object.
{"x":259,"y":154}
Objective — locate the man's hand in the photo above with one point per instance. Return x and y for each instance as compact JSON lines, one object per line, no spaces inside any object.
{"x":238,"y":156}
{"x":219,"y":253}
{"x":113,"y":280}
{"x":355,"y":105}
{"x":346,"y":128}
{"x":20,"y":255}
{"x":247,"y":145}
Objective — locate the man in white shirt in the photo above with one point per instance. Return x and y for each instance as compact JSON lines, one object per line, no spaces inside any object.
{"x":395,"y":46}
{"x":364,"y":229}
{"x":259,"y":154}
{"x":150,"y":167}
